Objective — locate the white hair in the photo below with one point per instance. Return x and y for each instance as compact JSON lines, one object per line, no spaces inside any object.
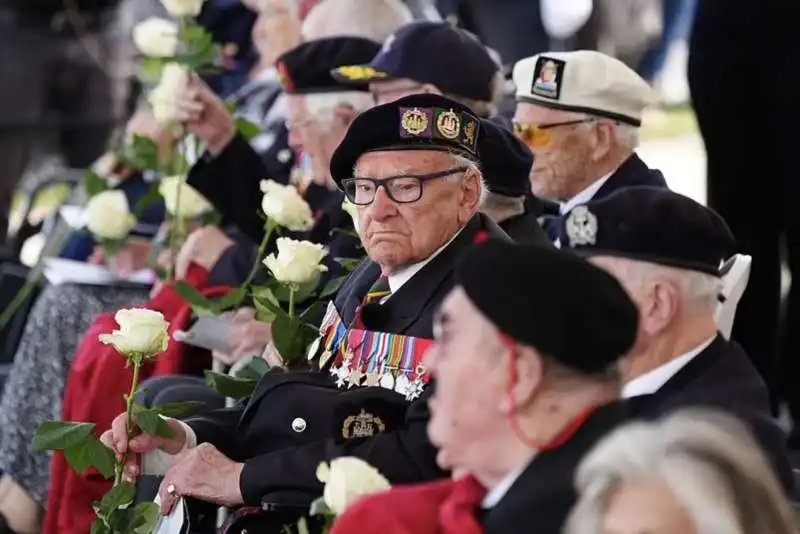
{"x":696,"y":288}
{"x":463,"y":161}
{"x":710,"y":463}
{"x":369,"y":19}
{"x":625,"y":135}
{"x":320,"y":105}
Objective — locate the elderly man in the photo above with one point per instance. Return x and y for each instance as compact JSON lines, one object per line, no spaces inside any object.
{"x":432,"y":57}
{"x":580,"y":113}
{"x":521,"y":395}
{"x":411,"y":168}
{"x":680,"y":359}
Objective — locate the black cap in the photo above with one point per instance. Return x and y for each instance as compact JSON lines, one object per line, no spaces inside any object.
{"x":416,"y":122}
{"x":505,"y":160}
{"x":307,"y":68}
{"x":651,"y":224}
{"x":551,"y":300}
{"x":438,"y":53}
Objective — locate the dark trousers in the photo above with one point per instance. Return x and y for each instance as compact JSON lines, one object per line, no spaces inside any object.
{"x":746,"y":99}
{"x":54,"y":87}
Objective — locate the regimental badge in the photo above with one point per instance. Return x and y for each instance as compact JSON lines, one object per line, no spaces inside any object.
{"x":363,"y":425}
{"x":469,"y":132}
{"x":547,"y":77}
{"x":448,"y":124}
{"x":414,"y":121}
{"x":581,"y":226}
{"x":360,"y":72}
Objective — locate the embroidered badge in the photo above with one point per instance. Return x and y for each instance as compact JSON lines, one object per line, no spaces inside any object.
{"x":363,"y":425}
{"x":470,"y":128}
{"x":360,"y":72}
{"x":581,"y":226}
{"x":414,"y":121}
{"x":448,"y":124}
{"x":547,"y":79}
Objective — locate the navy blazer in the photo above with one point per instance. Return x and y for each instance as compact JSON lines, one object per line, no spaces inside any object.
{"x":722,"y":377}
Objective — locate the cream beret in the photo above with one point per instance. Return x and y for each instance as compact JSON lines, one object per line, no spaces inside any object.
{"x":583,"y":81}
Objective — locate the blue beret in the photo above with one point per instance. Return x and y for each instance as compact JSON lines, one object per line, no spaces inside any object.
{"x":438,"y":53}
{"x":505,"y":160}
{"x":551,"y":300}
{"x":416,"y":122}
{"x":307,"y":67}
{"x":650,"y":224}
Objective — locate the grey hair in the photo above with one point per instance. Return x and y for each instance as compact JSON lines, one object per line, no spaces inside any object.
{"x":459,"y":160}
{"x":625,"y":135}
{"x":696,"y":288}
{"x":709,"y":461}
{"x":321,"y":105}
{"x":501,"y":207}
{"x":370,"y":19}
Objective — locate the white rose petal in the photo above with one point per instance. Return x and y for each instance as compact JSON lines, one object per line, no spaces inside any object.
{"x":164,"y":96}
{"x":351,"y":210}
{"x":140,"y":331}
{"x":283,"y":205}
{"x":191,"y":203}
{"x":297,"y":261}
{"x":32,"y":249}
{"x":347,"y":480}
{"x":156,"y":37}
{"x":108,"y":215}
{"x":183,"y":8}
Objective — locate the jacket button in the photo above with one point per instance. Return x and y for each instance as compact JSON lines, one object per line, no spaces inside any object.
{"x":299,"y":424}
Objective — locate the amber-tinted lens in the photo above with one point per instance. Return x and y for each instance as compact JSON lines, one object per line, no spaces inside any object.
{"x":531,"y":134}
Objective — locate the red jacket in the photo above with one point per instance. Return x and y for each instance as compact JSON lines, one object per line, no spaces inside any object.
{"x":97,"y":381}
{"x":445,"y":507}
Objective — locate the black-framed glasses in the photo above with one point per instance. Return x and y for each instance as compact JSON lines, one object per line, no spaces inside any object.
{"x":538,"y":134}
{"x":402,"y":189}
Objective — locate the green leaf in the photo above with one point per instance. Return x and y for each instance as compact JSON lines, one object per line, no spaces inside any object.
{"x":78,"y":458}
{"x":199,"y":303}
{"x":210,"y":218}
{"x":313,"y":314}
{"x":99,"y":527}
{"x":302,"y":526}
{"x":304,"y":292}
{"x":332,"y":287}
{"x":318,"y":507}
{"x":152,"y":423}
{"x":231,"y":299}
{"x":149,"y":72}
{"x":144,"y":519}
{"x":267,"y":306}
{"x":58,"y":435}
{"x":255,"y":369}
{"x":247,"y":129}
{"x":91,"y":453}
{"x":119,"y":497}
{"x":152,"y":196}
{"x":176,"y":409}
{"x":285,"y":332}
{"x":94,"y":184}
{"x":235,"y":388}
{"x":348,"y":264}
{"x":199,"y":49}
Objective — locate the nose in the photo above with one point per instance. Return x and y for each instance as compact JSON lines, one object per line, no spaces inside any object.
{"x":382,"y":206}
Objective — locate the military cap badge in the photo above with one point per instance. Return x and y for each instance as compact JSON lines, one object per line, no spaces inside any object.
{"x":414,"y":121}
{"x":360,"y":72}
{"x":448,"y":124}
{"x":363,"y":425}
{"x":581,"y":226}
{"x":469,"y":132}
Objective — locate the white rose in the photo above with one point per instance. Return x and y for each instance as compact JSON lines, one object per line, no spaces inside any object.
{"x":32,"y":249}
{"x":140,"y":331}
{"x":164,"y":96}
{"x":351,"y":210}
{"x":108,"y":215}
{"x":183,"y":8}
{"x":191,"y":203}
{"x":297,"y":261}
{"x":156,"y":37}
{"x":284,"y":205}
{"x":347,"y":480}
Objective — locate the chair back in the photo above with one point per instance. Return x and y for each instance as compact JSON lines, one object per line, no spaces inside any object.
{"x":735,"y":275}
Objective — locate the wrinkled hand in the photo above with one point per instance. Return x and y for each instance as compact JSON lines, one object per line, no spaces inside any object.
{"x":205,"y":115}
{"x":204,"y":247}
{"x":116,"y":439}
{"x":127,"y":261}
{"x":249,"y":337}
{"x":203,"y":473}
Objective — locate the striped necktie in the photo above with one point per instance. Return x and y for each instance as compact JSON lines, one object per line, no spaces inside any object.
{"x":377,"y":291}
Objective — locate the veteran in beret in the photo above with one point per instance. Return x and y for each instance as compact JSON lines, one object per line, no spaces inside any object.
{"x":526,"y":383}
{"x":412,"y":169}
{"x":679,"y":360}
{"x":580,"y":113}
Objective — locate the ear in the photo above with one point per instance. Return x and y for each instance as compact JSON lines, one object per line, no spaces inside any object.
{"x":529,"y":374}
{"x":659,"y":308}
{"x":344,"y":115}
{"x":605,"y":133}
{"x":471,"y":195}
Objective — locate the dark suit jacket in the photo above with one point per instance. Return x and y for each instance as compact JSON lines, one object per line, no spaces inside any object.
{"x":279,"y":458}
{"x":541,"y":498}
{"x":722,"y":377}
{"x":525,"y":229}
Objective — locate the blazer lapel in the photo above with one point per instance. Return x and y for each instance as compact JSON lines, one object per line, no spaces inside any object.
{"x":632,"y":172}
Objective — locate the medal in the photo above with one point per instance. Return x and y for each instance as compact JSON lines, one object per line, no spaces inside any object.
{"x":415,"y":389}
{"x":387,"y":381}
{"x":355,"y":378}
{"x":401,"y":384}
{"x":323,"y":359}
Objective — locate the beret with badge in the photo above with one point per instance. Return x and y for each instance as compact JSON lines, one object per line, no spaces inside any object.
{"x":650,"y":224}
{"x":505,"y":161}
{"x":450,"y":58}
{"x":307,"y":67}
{"x":551,"y":300}
{"x":416,"y":122}
{"x":583,"y":81}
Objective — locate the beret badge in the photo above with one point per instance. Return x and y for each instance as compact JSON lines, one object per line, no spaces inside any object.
{"x":448,"y":124}
{"x":360,"y":72}
{"x":581,"y":226}
{"x":414,"y":121}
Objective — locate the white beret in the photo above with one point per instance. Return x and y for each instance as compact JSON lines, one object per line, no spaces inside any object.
{"x":584,"y":81}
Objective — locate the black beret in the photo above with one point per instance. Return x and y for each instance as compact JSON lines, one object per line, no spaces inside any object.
{"x":307,"y":68}
{"x":551,"y":300}
{"x":505,"y":160}
{"x":423,"y":121}
{"x":651,"y":224}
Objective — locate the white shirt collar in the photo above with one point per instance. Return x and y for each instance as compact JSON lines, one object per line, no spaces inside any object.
{"x":585,"y":195}
{"x":499,"y":491}
{"x":652,"y":381}
{"x":399,"y":278}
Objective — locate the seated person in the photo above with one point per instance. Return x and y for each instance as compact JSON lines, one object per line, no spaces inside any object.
{"x":521,"y":394}
{"x":680,"y":359}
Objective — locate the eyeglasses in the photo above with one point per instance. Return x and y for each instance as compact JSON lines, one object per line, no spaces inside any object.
{"x":539,"y":134}
{"x":402,"y":189}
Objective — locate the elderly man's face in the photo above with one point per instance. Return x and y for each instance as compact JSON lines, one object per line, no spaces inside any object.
{"x":316,"y":136}
{"x":646,"y":507}
{"x":562,"y":153}
{"x":467,"y":406}
{"x":396,"y":234}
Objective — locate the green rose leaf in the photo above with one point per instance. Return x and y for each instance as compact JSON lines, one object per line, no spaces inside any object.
{"x":235,"y":388}
{"x":152,"y":423}
{"x":176,"y":409}
{"x":285,"y":332}
{"x":332,"y":287}
{"x":94,"y":184}
{"x":99,"y":527}
{"x":231,"y":299}
{"x":266,"y":303}
{"x":348,"y":264}
{"x":304,"y":292}
{"x":256,"y":368}
{"x":144,"y":518}
{"x":150,"y":68}
{"x":199,"y":303}
{"x":58,"y":435}
{"x":152,"y":196}
{"x":90,"y":453}
{"x":247,"y":129}
{"x":120,"y":496}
